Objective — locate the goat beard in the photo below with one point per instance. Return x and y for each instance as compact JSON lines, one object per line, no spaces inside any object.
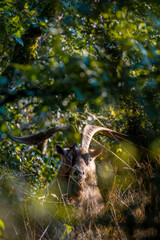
{"x":77,"y":188}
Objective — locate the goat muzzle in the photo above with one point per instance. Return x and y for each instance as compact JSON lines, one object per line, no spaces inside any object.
{"x":78,"y":175}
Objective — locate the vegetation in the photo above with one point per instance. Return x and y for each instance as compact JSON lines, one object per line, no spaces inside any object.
{"x":78,"y":62}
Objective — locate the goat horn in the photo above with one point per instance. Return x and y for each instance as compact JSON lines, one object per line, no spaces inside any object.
{"x":90,"y":130}
{"x":38,"y":138}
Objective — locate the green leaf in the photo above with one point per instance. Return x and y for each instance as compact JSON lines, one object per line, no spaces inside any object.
{"x":19,"y":40}
{"x":2,"y":226}
{"x":79,"y":94}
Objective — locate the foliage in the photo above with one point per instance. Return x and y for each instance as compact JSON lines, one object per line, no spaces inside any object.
{"x":78,"y":62}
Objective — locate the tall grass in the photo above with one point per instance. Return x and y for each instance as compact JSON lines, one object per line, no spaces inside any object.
{"x":131,"y":192}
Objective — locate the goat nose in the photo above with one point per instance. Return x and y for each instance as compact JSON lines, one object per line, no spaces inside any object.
{"x":76,"y":173}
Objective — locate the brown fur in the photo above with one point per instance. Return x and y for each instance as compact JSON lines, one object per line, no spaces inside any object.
{"x":82,"y":190}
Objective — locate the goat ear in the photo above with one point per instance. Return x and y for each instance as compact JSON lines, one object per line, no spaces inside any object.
{"x":96,"y":152}
{"x":60,"y":150}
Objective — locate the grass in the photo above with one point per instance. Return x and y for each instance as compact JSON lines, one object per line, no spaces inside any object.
{"x":132,"y":205}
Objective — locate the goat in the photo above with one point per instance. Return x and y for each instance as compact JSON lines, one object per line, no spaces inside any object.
{"x":76,"y":176}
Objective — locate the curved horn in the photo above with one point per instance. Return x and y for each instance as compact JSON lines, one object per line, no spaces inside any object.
{"x":90,"y":130}
{"x":39,"y":137}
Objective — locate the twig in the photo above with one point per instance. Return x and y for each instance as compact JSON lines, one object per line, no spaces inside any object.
{"x":47,"y":227}
{"x":114,"y":154}
{"x":63,"y":199}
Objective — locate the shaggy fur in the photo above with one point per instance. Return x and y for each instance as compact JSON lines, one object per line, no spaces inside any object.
{"x":77,"y":180}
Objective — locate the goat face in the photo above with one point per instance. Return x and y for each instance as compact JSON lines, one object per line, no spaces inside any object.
{"x":77,"y":168}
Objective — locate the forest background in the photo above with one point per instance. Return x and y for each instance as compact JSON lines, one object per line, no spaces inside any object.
{"x":79,"y":62}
